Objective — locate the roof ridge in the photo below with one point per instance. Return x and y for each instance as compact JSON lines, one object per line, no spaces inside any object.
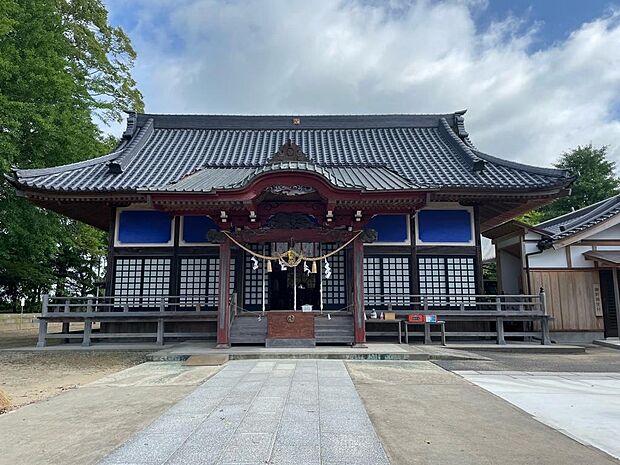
{"x":476,"y":163}
{"x":591,"y":208}
{"x":136,"y":143}
{"x":290,"y":122}
{"x":34,"y":172}
{"x":522,"y":166}
{"x":291,"y":115}
{"x":601,"y":211}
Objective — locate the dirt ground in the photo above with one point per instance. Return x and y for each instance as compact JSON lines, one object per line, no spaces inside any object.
{"x":425,"y":415}
{"x":81,"y":426}
{"x":29,"y":376}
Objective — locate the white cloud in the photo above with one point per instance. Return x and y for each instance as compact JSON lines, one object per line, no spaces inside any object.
{"x":261,"y":57}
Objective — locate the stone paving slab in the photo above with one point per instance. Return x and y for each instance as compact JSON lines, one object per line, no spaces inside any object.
{"x":584,"y":406}
{"x":276,"y":412}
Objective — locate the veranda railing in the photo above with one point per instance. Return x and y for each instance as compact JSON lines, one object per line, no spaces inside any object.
{"x":157,"y":309}
{"x":459,"y":303}
{"x":471,"y":307}
{"x":162,"y":308}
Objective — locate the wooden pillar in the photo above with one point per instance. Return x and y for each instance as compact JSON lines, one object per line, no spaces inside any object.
{"x":43,"y":321}
{"x":223,"y":308}
{"x":358,"y":291}
{"x":110,"y":265}
{"x":427,"y":334}
{"x":544,"y":322}
{"x":500,"y":330}
{"x":88,"y":329}
{"x":478,"y":260}
{"x":614,"y":272}
{"x":161,"y":323}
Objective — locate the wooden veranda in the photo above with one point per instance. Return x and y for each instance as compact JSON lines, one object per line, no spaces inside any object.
{"x":157,"y":311}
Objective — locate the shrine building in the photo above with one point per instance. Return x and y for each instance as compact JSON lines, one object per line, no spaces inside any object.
{"x":217,"y":224}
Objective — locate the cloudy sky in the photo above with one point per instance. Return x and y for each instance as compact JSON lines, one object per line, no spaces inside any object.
{"x":537,"y":77}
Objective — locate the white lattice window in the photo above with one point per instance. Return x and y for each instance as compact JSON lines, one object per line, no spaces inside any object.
{"x":387,"y":279}
{"x":334,"y":288}
{"x":253,"y":279}
{"x":194,"y":277}
{"x":451,"y":276}
{"x":148,"y":277}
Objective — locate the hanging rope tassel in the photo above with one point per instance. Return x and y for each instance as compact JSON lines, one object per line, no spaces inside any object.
{"x":313,"y":268}
{"x":269,"y":269}
{"x":294,"y":259}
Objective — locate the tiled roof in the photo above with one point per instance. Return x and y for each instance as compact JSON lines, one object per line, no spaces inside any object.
{"x":354,"y":177}
{"x":572,"y":223}
{"x":202,"y":152}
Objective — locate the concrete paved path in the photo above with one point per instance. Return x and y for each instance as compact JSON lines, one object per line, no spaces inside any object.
{"x":262,"y":412}
{"x":584,"y":406}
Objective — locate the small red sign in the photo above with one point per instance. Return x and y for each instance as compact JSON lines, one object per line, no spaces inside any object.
{"x":415,"y":318}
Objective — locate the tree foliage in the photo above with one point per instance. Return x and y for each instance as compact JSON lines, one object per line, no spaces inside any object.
{"x":61,"y":67}
{"x":596,"y":180}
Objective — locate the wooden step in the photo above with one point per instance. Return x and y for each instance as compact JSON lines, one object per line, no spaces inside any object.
{"x":248,"y":330}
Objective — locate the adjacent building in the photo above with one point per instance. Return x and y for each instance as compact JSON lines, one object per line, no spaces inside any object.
{"x":575,"y":258}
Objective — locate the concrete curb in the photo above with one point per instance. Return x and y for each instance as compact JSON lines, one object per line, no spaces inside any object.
{"x":517,"y":349}
{"x":608,"y":344}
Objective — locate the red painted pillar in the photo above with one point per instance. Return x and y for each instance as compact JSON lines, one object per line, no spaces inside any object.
{"x":358,"y":291}
{"x":223,"y":308}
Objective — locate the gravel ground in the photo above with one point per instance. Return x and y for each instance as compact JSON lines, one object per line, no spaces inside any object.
{"x":27,"y":377}
{"x":596,"y":360}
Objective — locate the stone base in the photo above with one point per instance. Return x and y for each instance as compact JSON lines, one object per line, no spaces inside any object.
{"x":610,"y":343}
{"x":575,"y":337}
{"x":206,"y":360}
{"x":290,"y":343}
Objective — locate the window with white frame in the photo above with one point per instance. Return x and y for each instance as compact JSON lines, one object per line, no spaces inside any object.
{"x":334,"y":288}
{"x":451,"y":276}
{"x":195,"y":275}
{"x":141,"y":277}
{"x":200,"y":276}
{"x":387,"y":279}
{"x":253,"y":279}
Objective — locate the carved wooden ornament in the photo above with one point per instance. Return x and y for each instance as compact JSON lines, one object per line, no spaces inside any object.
{"x":289,"y":152}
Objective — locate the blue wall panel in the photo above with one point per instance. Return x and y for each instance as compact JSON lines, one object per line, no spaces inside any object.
{"x":444,"y":226}
{"x":195,"y":228}
{"x":144,"y":227}
{"x":390,"y":228}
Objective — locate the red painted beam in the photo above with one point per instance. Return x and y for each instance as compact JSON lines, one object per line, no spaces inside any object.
{"x":359,"y":323}
{"x":223,"y":309}
{"x":297,"y":235}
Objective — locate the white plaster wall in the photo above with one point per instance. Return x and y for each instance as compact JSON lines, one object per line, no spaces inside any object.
{"x":530,"y":247}
{"x":506,"y":242}
{"x":511,"y":273}
{"x":550,"y":258}
{"x":615,"y":248}
{"x":532,"y":236}
{"x":612,"y":233}
{"x":577,"y":258}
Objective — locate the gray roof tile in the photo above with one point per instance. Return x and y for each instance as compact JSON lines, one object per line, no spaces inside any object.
{"x":203,"y":152}
{"x":572,"y":223}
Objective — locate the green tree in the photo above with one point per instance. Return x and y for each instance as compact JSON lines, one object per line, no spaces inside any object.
{"x":61,"y":67}
{"x":595,"y":181}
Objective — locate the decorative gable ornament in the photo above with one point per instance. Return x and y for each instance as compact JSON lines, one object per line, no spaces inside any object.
{"x":289,"y":151}
{"x":290,"y":191}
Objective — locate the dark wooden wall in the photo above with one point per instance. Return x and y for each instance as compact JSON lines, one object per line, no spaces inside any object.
{"x":175,"y":252}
